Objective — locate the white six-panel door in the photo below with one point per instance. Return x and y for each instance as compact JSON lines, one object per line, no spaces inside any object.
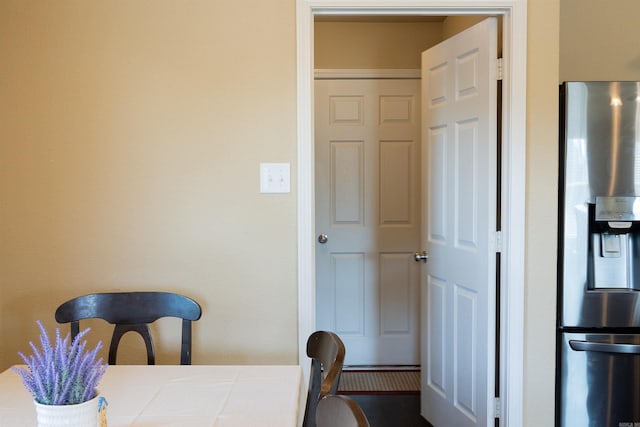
{"x":460,"y":186}
{"x":367,"y":154}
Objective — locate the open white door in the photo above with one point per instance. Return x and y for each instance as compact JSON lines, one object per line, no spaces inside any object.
{"x":459,"y":110}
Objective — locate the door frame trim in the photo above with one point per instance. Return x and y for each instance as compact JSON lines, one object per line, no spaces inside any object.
{"x":512,"y":276}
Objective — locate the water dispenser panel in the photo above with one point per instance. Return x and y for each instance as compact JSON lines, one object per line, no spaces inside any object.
{"x":618,"y":212}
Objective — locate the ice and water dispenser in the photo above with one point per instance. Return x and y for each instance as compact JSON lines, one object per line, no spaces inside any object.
{"x":614,"y":229}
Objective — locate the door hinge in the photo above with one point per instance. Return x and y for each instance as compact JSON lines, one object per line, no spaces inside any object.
{"x":498,"y":241}
{"x":499,"y":69}
{"x":497,"y":407}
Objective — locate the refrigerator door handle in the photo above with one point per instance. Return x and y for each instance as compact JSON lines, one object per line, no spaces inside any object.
{"x":604,"y":347}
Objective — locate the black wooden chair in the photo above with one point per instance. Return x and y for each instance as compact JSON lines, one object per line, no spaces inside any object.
{"x":340,"y":411}
{"x":326,"y":351}
{"x":132,"y":311}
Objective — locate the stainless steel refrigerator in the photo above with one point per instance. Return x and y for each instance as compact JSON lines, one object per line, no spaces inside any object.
{"x":598,"y":334}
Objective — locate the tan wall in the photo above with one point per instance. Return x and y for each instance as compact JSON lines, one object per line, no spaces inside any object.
{"x":361,"y":44}
{"x":599,"y":40}
{"x":130,"y":140}
{"x":541,"y":211}
{"x":452,"y":25}
{"x":371,"y":45}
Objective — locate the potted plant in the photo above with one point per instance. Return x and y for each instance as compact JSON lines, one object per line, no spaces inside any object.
{"x":63,"y":379}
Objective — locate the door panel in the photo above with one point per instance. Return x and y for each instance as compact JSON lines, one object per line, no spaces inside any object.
{"x":349,"y":288}
{"x":395,"y":294}
{"x":367,"y":152}
{"x":347,"y":186}
{"x":436,"y":363}
{"x":459,"y":128}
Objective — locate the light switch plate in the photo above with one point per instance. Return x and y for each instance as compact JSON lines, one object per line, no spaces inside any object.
{"x":275,"y":178}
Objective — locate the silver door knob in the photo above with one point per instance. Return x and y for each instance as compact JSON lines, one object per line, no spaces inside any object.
{"x":323,"y":238}
{"x":421,"y":256}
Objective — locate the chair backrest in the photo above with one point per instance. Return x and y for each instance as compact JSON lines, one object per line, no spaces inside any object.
{"x":340,"y":411}
{"x":132,"y":311}
{"x":327,"y":352}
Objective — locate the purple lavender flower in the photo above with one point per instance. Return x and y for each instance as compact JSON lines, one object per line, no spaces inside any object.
{"x":64,"y":373}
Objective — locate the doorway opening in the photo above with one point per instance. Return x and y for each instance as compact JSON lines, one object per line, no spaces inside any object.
{"x":513,"y":147}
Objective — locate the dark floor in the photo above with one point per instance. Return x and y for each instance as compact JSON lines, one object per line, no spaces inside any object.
{"x":391,"y":410}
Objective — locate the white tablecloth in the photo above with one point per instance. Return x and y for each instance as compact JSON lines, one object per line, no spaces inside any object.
{"x":194,"y":396}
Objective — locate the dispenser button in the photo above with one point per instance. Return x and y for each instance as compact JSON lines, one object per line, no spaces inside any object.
{"x":619,"y":224}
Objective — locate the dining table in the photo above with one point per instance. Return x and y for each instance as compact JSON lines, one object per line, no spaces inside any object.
{"x":181,"y":395}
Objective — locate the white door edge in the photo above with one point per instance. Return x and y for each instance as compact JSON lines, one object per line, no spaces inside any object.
{"x":514,"y":13}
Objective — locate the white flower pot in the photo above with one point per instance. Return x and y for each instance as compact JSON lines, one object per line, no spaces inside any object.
{"x":81,"y":415}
